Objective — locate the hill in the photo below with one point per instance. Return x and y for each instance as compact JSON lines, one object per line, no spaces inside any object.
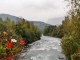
{"x":4,"y":16}
{"x":39,"y":24}
{"x":55,"y":21}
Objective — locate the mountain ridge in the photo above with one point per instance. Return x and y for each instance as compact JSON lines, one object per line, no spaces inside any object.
{"x":39,"y":24}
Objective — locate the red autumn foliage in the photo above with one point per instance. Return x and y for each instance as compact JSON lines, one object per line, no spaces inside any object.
{"x":9,"y":44}
{"x":9,"y":58}
{"x":22,"y":42}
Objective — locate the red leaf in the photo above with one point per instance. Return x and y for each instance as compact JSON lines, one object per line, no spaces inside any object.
{"x":9,"y":44}
{"x":22,"y":42}
{"x":9,"y":58}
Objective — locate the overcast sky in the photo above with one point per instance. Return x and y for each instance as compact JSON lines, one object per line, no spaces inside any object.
{"x":38,"y":10}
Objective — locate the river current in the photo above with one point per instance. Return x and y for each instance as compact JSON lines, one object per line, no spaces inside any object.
{"x":47,"y":48}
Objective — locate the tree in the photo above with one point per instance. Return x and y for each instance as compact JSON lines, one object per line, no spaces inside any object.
{"x":71,"y":41}
{"x":27,"y":31}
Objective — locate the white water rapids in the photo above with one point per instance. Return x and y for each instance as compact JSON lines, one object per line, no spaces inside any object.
{"x":48,"y":48}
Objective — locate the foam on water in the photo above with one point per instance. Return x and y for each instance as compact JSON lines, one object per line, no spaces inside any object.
{"x":46,"y":44}
{"x":40,"y":56}
{"x":48,"y":48}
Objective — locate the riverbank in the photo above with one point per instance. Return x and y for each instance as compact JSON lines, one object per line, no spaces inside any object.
{"x":23,"y":53}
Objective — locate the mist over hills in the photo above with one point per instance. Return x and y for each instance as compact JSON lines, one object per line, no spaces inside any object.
{"x":55,"y":21}
{"x":39,"y":24}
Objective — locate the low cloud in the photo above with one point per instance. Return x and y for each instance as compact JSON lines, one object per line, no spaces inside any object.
{"x":41,"y":10}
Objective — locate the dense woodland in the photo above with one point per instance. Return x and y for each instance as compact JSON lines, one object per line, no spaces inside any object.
{"x":69,"y":31}
{"x":54,"y":31}
{"x":20,"y":30}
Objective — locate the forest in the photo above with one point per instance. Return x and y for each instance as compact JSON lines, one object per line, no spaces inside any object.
{"x":68,"y":31}
{"x":15,"y":35}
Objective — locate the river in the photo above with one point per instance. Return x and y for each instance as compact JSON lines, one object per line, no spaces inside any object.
{"x":48,"y":48}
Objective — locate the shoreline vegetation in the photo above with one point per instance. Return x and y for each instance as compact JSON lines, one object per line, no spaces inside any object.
{"x":68,"y":31}
{"x":16,"y":35}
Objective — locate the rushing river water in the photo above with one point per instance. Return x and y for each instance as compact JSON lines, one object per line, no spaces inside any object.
{"x":48,"y":48}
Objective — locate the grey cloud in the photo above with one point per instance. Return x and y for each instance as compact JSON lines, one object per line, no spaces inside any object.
{"x":46,"y":5}
{"x":33,"y":9}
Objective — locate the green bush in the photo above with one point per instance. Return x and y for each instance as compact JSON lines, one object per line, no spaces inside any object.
{"x":75,"y":56}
